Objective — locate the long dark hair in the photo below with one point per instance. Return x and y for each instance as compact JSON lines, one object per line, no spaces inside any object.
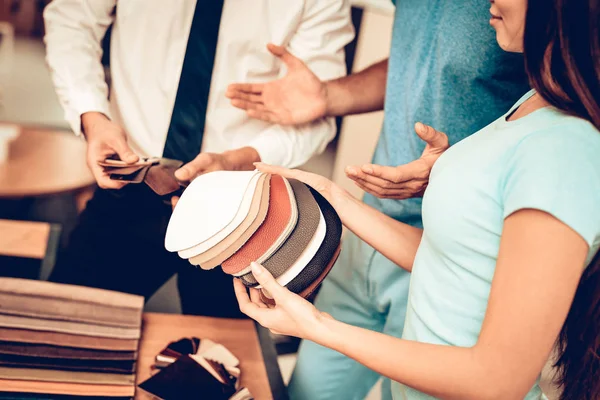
{"x":562,"y":58}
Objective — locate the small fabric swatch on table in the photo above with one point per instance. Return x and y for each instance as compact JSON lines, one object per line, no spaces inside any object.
{"x":186,"y":379}
{"x":309,"y":216}
{"x":228,"y":246}
{"x":279,"y":223}
{"x":198,"y":215}
{"x":59,"y":339}
{"x":50,"y":351}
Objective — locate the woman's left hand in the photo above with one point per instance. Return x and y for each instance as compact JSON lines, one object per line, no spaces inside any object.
{"x":292,"y":315}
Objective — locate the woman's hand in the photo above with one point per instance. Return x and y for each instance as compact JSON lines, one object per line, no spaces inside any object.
{"x":292,"y":315}
{"x":332,"y":192}
{"x":404,"y":181}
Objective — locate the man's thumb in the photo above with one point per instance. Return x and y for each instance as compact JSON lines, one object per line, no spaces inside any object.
{"x":124,"y":152}
{"x":284,"y":55}
{"x":431,"y":136}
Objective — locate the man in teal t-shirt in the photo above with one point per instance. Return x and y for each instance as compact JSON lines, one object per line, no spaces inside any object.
{"x":446,"y":70}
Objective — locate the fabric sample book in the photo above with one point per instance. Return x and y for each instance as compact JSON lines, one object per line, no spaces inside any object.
{"x":58,"y":339}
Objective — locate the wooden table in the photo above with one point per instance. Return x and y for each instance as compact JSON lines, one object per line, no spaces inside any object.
{"x":43,"y":162}
{"x":249,"y":342}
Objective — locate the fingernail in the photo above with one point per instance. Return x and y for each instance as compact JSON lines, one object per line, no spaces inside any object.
{"x":257,"y":269}
{"x":351,"y":171}
{"x":368,"y":169}
{"x":420,"y":126}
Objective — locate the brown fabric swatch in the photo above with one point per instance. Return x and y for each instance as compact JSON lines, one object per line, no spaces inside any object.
{"x":78,"y":328}
{"x":102,"y":366}
{"x":276,"y":224}
{"x":50,"y":351}
{"x":49,"y":375}
{"x":67,"y":339}
{"x":228,"y":246}
{"x":59,"y":388}
{"x":69,"y":310}
{"x":45,"y":290}
{"x":308,"y":220}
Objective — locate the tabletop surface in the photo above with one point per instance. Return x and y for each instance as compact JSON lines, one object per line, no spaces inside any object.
{"x":42,"y":162}
{"x":239,"y":336}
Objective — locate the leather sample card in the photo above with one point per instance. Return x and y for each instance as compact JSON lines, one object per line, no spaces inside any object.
{"x":326,"y":251}
{"x":186,"y":379}
{"x":289,"y":252}
{"x":240,"y":216}
{"x":48,"y":300}
{"x":228,"y":246}
{"x":310,"y":290}
{"x":278,"y":225}
{"x":161,"y":178}
{"x":26,"y":336}
{"x":208,"y":205}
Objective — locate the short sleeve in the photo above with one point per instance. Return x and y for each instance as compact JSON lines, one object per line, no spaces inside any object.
{"x":558,"y":171}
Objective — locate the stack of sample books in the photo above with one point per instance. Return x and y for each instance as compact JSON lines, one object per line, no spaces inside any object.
{"x":60,"y":339}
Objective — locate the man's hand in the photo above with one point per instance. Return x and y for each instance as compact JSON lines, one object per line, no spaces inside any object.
{"x":404,"y":181}
{"x":105,"y":138}
{"x":235,"y":160}
{"x":297,"y":98}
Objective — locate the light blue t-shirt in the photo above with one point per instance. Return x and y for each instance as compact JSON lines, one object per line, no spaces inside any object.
{"x":546,"y":160}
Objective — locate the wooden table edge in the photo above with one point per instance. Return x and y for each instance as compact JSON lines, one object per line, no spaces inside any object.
{"x":269,"y":353}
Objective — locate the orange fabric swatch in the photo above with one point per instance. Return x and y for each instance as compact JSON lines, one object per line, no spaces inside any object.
{"x":275,"y":225}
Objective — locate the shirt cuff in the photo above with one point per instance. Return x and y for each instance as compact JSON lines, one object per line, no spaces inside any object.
{"x":83,"y":103}
{"x":271,"y":151}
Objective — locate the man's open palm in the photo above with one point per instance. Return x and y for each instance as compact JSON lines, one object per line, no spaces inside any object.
{"x":297,"y":98}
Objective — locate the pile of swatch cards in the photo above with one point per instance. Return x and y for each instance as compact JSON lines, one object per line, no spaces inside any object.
{"x":64,"y":340}
{"x":193,"y":368}
{"x":232,"y":218}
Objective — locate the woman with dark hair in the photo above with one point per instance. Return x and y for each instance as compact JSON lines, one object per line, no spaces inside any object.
{"x":504,"y":269}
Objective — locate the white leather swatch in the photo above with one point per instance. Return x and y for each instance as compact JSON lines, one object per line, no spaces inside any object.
{"x":306,"y":255}
{"x":240,"y":216}
{"x":206,"y":207}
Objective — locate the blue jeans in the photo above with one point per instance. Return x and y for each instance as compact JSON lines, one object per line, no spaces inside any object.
{"x":364,"y":289}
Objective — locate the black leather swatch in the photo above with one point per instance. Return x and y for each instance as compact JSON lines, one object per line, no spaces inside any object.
{"x":186,"y":379}
{"x":328,"y":248}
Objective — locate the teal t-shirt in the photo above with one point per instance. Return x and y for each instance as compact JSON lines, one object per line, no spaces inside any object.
{"x":445,"y":70}
{"x":547,"y":161}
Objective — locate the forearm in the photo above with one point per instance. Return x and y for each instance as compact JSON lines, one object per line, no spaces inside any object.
{"x":358,"y":93}
{"x":395,"y":240}
{"x":445,"y":372}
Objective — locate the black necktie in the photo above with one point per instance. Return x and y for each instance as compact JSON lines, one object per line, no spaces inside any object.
{"x":184,"y":137}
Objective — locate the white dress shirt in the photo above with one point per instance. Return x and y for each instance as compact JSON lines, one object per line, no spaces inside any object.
{"x":148,"y":46}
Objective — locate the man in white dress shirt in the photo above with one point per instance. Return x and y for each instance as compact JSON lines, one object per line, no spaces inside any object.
{"x":170,"y":63}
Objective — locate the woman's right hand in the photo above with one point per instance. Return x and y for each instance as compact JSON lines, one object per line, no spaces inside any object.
{"x":334,"y":194}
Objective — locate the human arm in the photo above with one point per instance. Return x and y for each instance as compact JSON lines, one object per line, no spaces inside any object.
{"x":300,"y":96}
{"x":74,"y":30}
{"x":539,"y":265}
{"x":395,"y":240}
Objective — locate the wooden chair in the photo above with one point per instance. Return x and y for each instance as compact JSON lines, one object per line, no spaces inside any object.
{"x":33,"y":240}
